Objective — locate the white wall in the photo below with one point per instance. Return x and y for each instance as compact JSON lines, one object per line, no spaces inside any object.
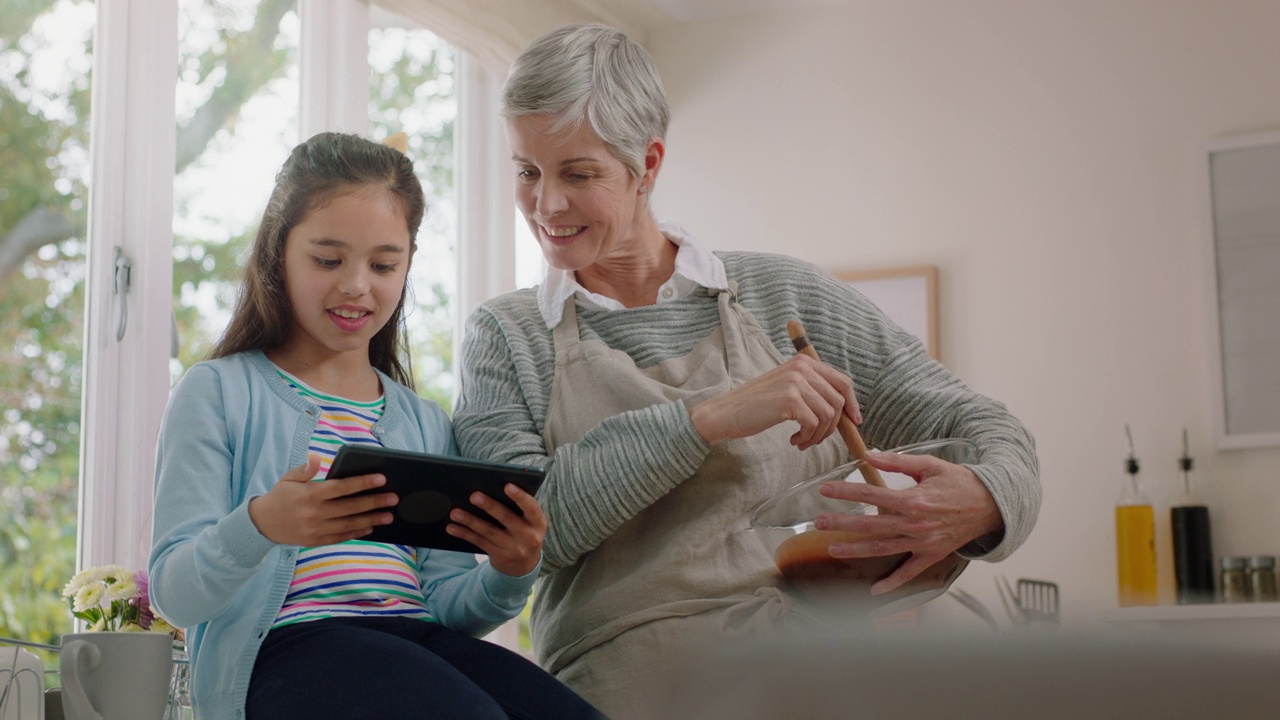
{"x":1047,"y":155}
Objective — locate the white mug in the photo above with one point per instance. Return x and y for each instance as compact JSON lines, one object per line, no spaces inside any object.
{"x":116,"y":675}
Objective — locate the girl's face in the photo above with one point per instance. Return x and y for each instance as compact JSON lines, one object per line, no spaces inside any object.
{"x":581,"y":202}
{"x":344,"y":270}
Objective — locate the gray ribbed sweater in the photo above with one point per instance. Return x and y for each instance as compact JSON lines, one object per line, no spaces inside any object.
{"x":630,"y":460}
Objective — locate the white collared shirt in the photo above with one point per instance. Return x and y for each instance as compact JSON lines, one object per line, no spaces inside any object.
{"x":696,"y":267}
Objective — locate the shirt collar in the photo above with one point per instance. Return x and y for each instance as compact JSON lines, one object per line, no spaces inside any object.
{"x":696,"y":267}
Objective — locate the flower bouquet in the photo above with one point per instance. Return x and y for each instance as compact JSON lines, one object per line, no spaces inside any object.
{"x":111,"y":598}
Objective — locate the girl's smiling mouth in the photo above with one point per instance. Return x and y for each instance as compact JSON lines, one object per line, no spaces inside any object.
{"x":349,"y":318}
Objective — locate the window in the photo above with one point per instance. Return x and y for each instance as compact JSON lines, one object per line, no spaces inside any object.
{"x":177,"y":192}
{"x":44,"y":101}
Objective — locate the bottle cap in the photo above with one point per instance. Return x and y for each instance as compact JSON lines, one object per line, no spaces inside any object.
{"x":1185,"y":461}
{"x":1261,"y":562}
{"x":1232,"y":562}
{"x":1130,"y":463}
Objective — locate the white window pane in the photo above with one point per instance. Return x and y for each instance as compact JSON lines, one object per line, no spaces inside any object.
{"x":412,"y":90}
{"x":531,"y":265}
{"x":45,"y":63}
{"x":237,"y":114}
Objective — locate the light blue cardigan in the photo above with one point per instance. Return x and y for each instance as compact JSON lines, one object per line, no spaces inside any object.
{"x":232,"y":428}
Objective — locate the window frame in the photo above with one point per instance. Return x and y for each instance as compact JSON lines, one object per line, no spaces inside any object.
{"x":132,"y":151}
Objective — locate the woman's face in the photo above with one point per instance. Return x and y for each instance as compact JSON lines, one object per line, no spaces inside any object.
{"x":581,"y":203}
{"x":345,"y":266}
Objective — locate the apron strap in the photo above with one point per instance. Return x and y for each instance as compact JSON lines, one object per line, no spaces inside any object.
{"x":566,"y":332}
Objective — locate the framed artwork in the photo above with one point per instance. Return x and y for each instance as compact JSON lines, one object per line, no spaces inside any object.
{"x":1244,"y":264}
{"x":908,"y":295}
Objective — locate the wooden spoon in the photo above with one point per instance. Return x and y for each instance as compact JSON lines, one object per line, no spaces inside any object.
{"x":847,"y":429}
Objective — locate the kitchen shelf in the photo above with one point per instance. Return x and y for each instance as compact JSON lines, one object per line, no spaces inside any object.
{"x":1178,"y":613}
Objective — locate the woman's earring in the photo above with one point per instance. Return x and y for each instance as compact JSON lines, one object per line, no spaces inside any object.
{"x":644,"y":189}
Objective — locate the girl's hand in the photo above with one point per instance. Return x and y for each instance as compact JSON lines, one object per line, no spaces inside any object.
{"x":515,"y":544}
{"x":801,"y":389}
{"x":948,"y":508}
{"x":298,"y":511}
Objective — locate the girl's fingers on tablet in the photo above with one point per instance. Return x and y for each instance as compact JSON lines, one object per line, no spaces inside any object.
{"x":528,"y":503}
{"x":496,"y":510}
{"x":348,"y":507}
{"x":463,"y":532}
{"x":351,"y":485}
{"x":472,"y":523}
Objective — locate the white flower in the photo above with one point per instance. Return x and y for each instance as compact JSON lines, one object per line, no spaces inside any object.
{"x":123,"y":588}
{"x":108,"y":597}
{"x":161,"y":625}
{"x":110,"y":573}
{"x":78,"y":581}
{"x":89,"y":597}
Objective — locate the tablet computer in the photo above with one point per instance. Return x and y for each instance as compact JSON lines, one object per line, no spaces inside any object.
{"x":429,"y":486}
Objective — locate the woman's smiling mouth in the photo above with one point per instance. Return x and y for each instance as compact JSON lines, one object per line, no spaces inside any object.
{"x":564,"y":231}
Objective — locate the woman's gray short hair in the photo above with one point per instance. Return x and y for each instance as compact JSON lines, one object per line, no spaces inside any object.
{"x":594,"y":72}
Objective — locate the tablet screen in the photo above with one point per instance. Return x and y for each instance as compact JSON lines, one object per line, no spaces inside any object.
{"x":429,"y":486}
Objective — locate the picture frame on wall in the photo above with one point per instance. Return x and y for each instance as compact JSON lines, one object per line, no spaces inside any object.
{"x":1243,"y":263}
{"x":908,"y":295}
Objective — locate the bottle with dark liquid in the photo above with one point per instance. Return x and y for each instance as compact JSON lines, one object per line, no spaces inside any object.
{"x":1192,"y":548}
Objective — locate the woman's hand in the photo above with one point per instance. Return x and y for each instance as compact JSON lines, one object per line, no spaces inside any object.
{"x":298,"y":511}
{"x":801,"y":389}
{"x":948,"y":507}
{"x":514,"y":545}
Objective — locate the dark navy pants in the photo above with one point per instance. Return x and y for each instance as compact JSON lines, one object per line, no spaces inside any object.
{"x":352,"y":668}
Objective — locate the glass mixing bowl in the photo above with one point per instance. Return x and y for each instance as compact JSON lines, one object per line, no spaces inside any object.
{"x":784,"y":524}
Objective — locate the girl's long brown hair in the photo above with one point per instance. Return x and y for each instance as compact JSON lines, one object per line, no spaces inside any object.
{"x":326,"y":165}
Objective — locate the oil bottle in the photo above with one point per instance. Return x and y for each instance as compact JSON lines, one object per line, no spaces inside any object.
{"x":1192,"y":549}
{"x":1135,"y":538}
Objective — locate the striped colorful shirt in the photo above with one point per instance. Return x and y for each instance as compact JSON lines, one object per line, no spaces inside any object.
{"x":355,"y":578}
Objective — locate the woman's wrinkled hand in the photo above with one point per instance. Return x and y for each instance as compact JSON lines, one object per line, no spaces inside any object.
{"x":514,"y":545}
{"x":948,"y":507}
{"x":298,"y":511}
{"x":802,"y":390}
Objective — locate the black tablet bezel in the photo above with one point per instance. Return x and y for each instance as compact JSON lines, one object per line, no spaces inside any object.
{"x":410,"y":473}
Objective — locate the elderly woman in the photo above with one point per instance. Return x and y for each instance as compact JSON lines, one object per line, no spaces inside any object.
{"x":656,"y":383}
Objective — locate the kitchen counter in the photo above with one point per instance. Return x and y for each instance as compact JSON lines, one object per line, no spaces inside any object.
{"x":1249,"y":623}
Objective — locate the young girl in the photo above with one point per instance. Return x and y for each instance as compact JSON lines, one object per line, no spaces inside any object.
{"x":290,"y":614}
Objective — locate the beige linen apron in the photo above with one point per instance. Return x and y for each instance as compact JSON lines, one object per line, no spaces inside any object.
{"x":683,"y":572}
